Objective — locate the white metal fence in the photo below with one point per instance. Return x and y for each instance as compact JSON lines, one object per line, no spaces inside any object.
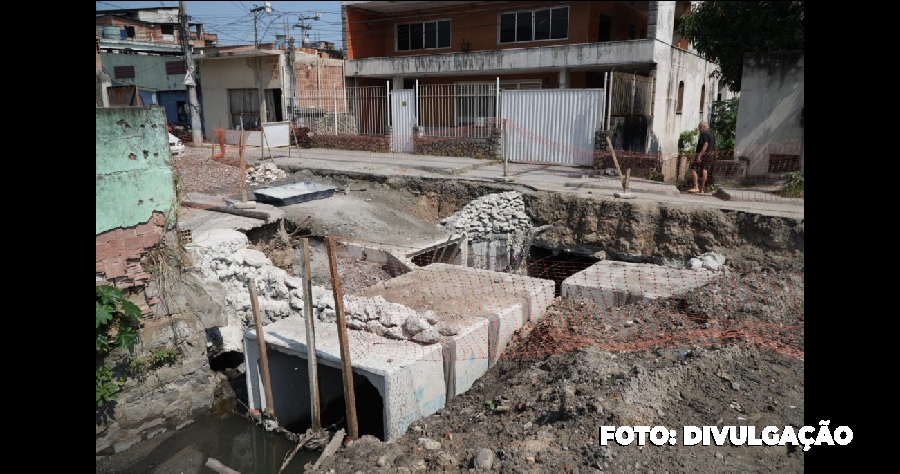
{"x":462,"y":110}
{"x":540,"y":125}
{"x":351,"y":110}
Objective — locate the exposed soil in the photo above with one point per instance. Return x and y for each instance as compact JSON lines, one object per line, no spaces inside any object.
{"x":722,"y":363}
{"x":730,"y":353}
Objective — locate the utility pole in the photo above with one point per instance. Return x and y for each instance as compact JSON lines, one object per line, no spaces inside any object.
{"x":304,"y":28}
{"x":189,"y":81}
{"x":263,"y":113}
{"x":292,"y":70}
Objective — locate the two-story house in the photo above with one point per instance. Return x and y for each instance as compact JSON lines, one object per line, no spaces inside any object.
{"x":142,"y":49}
{"x":649,"y":85}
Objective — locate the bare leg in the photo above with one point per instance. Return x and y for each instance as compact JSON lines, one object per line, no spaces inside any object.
{"x":694,"y":175}
{"x":702,"y":182}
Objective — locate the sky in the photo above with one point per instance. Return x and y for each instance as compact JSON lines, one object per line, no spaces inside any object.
{"x":233,"y":21}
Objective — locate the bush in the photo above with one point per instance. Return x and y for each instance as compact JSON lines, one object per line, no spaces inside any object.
{"x":687,"y":141}
{"x":793,"y":185}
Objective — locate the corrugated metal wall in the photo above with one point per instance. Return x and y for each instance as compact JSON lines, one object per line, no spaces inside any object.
{"x":551,"y":125}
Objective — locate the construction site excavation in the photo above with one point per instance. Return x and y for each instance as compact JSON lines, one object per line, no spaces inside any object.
{"x":489,"y":322}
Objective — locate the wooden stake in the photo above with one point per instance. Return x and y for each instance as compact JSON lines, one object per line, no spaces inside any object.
{"x":243,"y":168}
{"x":311,"y":363}
{"x":347,"y":368}
{"x":618,"y":170}
{"x":263,"y":357}
{"x":444,"y":249}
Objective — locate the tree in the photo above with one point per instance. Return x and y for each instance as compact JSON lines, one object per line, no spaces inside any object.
{"x":724,"y":31}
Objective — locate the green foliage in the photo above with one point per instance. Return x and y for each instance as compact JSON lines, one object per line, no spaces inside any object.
{"x":490,"y":404}
{"x":687,"y":141}
{"x":117,"y":320}
{"x":793,"y":185}
{"x":107,"y":386}
{"x":724,"y":31}
{"x":724,"y":123}
{"x":141,"y":366}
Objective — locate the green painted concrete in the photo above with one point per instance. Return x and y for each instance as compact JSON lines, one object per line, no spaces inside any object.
{"x":134,"y":166}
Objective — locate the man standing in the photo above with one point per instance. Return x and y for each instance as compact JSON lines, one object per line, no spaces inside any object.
{"x":706,"y":152}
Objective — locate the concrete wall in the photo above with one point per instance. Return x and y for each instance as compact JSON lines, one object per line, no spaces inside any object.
{"x":768,"y":120}
{"x":674,"y":66}
{"x":237,"y":72}
{"x":135,"y":190}
{"x":149,"y":71}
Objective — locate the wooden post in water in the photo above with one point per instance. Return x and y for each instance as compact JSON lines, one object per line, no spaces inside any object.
{"x":347,"y":368}
{"x":263,"y":357}
{"x":311,"y":362}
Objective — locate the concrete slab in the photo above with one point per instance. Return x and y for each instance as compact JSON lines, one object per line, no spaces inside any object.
{"x":412,"y":379}
{"x":294,"y":193}
{"x":200,"y":220}
{"x":614,"y":284}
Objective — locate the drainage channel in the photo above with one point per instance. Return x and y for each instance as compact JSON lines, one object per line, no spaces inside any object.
{"x":472,"y":291}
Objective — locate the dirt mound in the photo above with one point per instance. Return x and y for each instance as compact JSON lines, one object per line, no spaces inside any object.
{"x":711,"y":359}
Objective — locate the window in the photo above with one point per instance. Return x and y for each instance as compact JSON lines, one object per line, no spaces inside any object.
{"x":476,"y":102}
{"x":124,"y":72}
{"x":175,"y":67}
{"x":129,"y":31}
{"x":679,"y":103}
{"x":605,"y":28}
{"x":244,"y":107}
{"x":534,"y":25}
{"x":702,"y":99}
{"x":427,"y":35}
{"x":168,"y":32}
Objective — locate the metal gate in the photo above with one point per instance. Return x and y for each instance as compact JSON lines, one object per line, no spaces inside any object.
{"x":403,"y":119}
{"x":551,"y":125}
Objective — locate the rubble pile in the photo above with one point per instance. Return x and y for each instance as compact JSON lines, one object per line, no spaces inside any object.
{"x":264,"y":173}
{"x":395,"y":321}
{"x":500,"y":213}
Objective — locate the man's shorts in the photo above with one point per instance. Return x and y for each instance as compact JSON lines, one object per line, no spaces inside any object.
{"x":702,"y":165}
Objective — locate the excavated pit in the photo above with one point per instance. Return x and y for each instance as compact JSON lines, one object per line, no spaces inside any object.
{"x":566,"y":236}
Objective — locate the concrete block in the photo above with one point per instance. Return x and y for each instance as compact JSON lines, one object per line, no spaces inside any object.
{"x":612,"y":284}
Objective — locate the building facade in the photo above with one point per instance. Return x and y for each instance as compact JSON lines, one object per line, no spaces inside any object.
{"x":655,"y":85}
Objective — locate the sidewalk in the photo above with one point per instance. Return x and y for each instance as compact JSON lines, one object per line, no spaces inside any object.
{"x":542,"y":177}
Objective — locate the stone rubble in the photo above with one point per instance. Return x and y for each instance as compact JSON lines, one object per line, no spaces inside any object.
{"x":224,"y":258}
{"x":707,"y":261}
{"x":265,"y":173}
{"x":499,"y":213}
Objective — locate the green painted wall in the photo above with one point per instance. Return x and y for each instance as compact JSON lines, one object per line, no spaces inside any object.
{"x":134,"y":166}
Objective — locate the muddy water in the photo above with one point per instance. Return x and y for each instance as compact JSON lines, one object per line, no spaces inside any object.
{"x":230,"y":439}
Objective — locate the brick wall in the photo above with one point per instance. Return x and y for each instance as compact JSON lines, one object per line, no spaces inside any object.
{"x":373,"y":35}
{"x":121,"y":253}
